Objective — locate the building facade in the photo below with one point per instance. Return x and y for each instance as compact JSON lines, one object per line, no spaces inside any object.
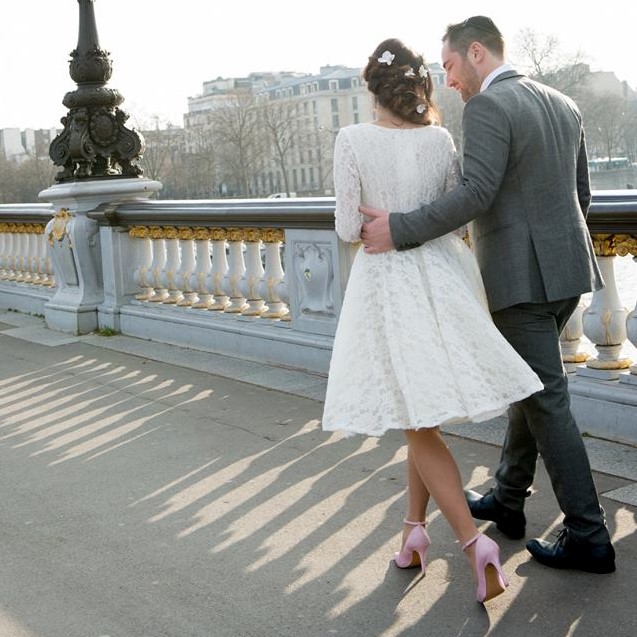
{"x":301,"y":115}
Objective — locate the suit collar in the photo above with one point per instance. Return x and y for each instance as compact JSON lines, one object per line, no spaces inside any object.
{"x":497,"y":74}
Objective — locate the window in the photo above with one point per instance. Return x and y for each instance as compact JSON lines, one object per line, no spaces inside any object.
{"x":355,"y":82}
{"x":303,"y":180}
{"x":334,"y":85}
{"x":334,"y":105}
{"x":335,"y":123}
{"x":355,"y":103}
{"x":357,"y":118}
{"x":314,"y":107}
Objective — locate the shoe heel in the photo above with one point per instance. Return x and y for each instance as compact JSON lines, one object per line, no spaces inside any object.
{"x":414,"y":551}
{"x":491,"y":579}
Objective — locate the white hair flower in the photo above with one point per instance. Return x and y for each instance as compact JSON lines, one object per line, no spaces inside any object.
{"x":386,"y":58}
{"x":422,"y":71}
{"x":410,"y":72}
{"x":420,"y":109}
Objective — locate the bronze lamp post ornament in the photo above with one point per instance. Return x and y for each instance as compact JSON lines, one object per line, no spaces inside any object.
{"x":95,"y":142}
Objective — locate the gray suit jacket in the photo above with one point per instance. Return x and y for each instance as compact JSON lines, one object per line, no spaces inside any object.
{"x":526,"y":187}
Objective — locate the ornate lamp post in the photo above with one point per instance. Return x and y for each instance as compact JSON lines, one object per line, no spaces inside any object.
{"x":95,"y":142}
{"x":97,"y":154}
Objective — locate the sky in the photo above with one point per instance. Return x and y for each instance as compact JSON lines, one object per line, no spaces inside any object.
{"x":162,"y":50}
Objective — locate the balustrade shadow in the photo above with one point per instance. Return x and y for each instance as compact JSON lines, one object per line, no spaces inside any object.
{"x":191,"y":504}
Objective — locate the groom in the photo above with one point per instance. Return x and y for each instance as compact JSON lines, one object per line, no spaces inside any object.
{"x":526,"y":188}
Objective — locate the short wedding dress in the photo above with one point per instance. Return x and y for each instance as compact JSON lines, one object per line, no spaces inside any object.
{"x":415,"y":345}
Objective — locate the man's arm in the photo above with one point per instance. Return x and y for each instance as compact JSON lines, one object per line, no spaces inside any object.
{"x":486,"y":153}
{"x":583,"y":177}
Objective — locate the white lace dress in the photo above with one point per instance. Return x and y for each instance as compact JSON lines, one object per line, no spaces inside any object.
{"x":415,"y":344}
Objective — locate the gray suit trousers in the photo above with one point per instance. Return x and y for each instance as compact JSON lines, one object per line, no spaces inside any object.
{"x":543,"y":423}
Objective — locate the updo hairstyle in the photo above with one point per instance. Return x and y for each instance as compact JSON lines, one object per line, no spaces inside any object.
{"x":400,"y":86}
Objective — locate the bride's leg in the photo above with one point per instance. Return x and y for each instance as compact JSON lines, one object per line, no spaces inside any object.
{"x":417,"y":495}
{"x":440,"y":477}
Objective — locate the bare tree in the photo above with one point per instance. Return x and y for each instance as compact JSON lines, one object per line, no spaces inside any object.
{"x":542,"y":58}
{"x":608,"y":120}
{"x":236,"y":129}
{"x":280,"y":127}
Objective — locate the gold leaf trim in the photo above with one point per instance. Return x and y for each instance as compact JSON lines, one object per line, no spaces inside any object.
{"x":273,"y":235}
{"x":58,"y":228}
{"x":139,"y":232}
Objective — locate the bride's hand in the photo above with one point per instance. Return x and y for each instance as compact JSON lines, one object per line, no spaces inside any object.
{"x":375,"y":234}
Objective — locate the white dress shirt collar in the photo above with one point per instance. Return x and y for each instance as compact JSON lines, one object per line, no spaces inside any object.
{"x":489,"y":78}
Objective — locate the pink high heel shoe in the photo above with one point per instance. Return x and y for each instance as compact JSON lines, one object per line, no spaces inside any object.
{"x":415,"y":548}
{"x":491,"y":578}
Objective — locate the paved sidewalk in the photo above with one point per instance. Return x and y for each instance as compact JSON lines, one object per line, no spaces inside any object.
{"x":153,"y":491}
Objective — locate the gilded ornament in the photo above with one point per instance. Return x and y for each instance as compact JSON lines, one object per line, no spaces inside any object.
{"x":218,"y":234}
{"x":252,"y":235}
{"x":58,"y":227}
{"x":604,"y":245}
{"x":273,"y":235}
{"x":170,"y":232}
{"x":139,"y":232}
{"x":234,"y":234}
{"x":626,"y":244}
{"x":200,"y":234}
{"x":185,"y":234}
{"x":156,"y":232}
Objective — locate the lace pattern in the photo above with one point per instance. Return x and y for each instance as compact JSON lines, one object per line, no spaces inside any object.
{"x":415,"y":344}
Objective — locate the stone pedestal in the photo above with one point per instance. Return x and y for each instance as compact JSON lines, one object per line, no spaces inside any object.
{"x":85,"y":260}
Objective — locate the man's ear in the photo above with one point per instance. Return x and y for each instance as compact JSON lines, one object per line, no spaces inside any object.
{"x":476,"y":52}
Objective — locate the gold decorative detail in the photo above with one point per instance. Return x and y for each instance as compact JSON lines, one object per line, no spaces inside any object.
{"x":621,"y":363}
{"x":626,"y":244}
{"x":273,"y":235}
{"x":185,"y":234}
{"x":610,"y":245}
{"x":156,"y":232}
{"x":4,"y":227}
{"x":218,"y":234}
{"x":139,"y":232}
{"x":200,"y":234}
{"x":234,"y":234}
{"x":170,"y":232}
{"x":58,"y":227}
{"x":252,"y":235}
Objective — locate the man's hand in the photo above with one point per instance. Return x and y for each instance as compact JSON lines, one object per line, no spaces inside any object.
{"x":375,"y":234}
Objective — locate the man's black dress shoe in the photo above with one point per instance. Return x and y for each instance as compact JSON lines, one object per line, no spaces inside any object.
{"x":486,"y":507}
{"x":567,"y":552}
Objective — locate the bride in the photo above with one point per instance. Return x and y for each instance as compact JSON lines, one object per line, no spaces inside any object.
{"x":415,"y":346}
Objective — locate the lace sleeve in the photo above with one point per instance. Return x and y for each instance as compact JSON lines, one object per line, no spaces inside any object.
{"x":453,"y":179}
{"x":347,"y":189}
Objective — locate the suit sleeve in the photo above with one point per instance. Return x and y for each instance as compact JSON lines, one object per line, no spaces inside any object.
{"x":487,"y":140}
{"x":583,"y":177}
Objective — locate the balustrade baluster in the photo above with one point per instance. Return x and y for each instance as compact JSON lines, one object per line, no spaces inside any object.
{"x":4,"y":244}
{"x":273,"y":284}
{"x":236,"y":271}
{"x":168,"y":275}
{"x":202,"y":269}
{"x":40,"y":257}
{"x":187,"y":267}
{"x":160,"y":293}
{"x":627,"y":245}
{"x":143,"y":273}
{"x":253,"y":276}
{"x":570,"y":340}
{"x":605,"y":319}
{"x":219,"y":270}
{"x":22,"y":256}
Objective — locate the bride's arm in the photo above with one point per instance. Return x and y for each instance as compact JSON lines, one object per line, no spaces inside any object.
{"x":347,"y":189}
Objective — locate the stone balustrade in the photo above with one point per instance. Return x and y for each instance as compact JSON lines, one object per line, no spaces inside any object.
{"x":264,"y":280}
